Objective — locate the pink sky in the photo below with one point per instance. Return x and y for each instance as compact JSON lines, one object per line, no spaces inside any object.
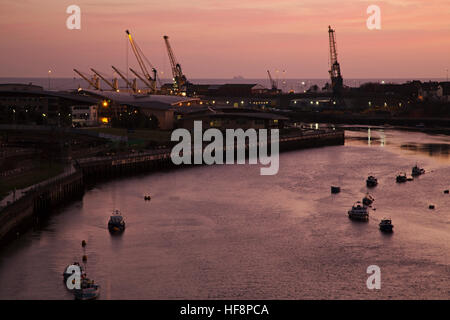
{"x":225,"y":38}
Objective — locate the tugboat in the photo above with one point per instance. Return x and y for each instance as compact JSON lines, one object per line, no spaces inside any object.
{"x":401,"y":178}
{"x":386,"y":225}
{"x":358,"y":212}
{"x":88,"y":290}
{"x":368,"y":200}
{"x":116,"y":222}
{"x":371,"y":181}
{"x":416,"y":171}
{"x":67,"y":274}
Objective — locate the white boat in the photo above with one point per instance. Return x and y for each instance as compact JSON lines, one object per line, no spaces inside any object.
{"x":358,"y":212}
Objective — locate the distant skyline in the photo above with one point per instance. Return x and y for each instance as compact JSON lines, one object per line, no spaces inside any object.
{"x":222,"y":39}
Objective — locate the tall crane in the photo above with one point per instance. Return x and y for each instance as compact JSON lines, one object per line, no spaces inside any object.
{"x":132,"y":85}
{"x":179,"y":79}
{"x":94,"y":82}
{"x":272,"y":82}
{"x":114,"y":84}
{"x":335,"y":68}
{"x":150,"y":81}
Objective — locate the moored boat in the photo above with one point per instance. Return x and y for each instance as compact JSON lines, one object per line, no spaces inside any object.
{"x":401,"y":177}
{"x":335,"y":189}
{"x":371,"y":181}
{"x":116,"y":222}
{"x":368,"y":200}
{"x":88,"y":290}
{"x":416,"y":171}
{"x":358,"y":212}
{"x":386,"y":225}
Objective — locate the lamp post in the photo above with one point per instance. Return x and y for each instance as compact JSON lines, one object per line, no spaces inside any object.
{"x":49,"y":73}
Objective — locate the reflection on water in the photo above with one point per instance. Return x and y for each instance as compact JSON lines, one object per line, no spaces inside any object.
{"x":431,"y":149}
{"x":437,"y":146}
{"x":226,"y":232}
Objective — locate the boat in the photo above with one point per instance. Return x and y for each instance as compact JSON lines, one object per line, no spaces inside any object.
{"x":358,"y":212}
{"x":335,"y":189}
{"x":116,"y":222}
{"x":386,"y":225}
{"x":67,"y":274}
{"x":88,"y":290}
{"x":368,"y":200}
{"x":416,"y":171}
{"x":371,"y":181}
{"x":401,"y":177}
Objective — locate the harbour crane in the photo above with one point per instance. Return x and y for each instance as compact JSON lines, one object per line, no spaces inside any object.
{"x":94,"y":82}
{"x":114,"y":84}
{"x":272,"y":82}
{"x":143,"y":79}
{"x":132,"y":85}
{"x":335,"y":68}
{"x":179,"y":79}
{"x":149,"y":80}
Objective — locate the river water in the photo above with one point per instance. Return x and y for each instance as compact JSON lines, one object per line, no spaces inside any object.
{"x":226,"y":232}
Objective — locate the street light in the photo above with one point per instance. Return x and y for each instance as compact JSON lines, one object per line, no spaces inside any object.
{"x":49,"y":73}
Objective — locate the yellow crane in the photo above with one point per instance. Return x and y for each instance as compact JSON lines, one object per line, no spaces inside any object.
{"x":149,"y":80}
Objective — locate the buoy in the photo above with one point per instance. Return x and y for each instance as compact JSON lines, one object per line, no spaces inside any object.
{"x":83,"y":243}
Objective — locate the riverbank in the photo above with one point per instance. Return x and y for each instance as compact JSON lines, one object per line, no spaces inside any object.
{"x":355,"y":119}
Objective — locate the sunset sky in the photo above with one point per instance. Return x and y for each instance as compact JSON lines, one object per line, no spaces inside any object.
{"x":226,"y":38}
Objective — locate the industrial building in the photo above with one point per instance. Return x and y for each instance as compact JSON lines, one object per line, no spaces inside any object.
{"x":228,"y":118}
{"x":28,"y":103}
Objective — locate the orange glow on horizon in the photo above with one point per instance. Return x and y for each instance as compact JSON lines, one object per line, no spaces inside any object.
{"x":223,"y":39}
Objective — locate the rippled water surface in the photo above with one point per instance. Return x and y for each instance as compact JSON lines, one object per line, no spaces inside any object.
{"x":225,"y":232}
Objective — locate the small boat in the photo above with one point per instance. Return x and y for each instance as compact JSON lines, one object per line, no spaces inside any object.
{"x":67,"y":274}
{"x":431,"y":206}
{"x":401,"y":177}
{"x":335,"y":189}
{"x":371,"y":181}
{"x":416,"y":171}
{"x":446,"y":191}
{"x":368,"y":200}
{"x":147,"y":198}
{"x":358,"y":212}
{"x":386,"y":225}
{"x":88,"y":290}
{"x":116,"y":222}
